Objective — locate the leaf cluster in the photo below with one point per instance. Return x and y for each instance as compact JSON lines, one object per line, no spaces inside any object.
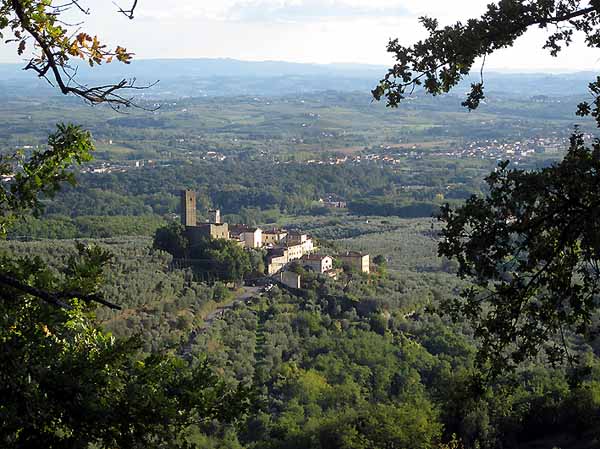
{"x":42,"y":173}
{"x":532,"y":250}
{"x":439,"y":62}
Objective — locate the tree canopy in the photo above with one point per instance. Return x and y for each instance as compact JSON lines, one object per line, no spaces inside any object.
{"x":531,"y":245}
{"x":216,"y":258}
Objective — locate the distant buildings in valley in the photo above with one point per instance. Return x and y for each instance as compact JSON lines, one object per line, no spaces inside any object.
{"x":107,"y":167}
{"x":282,"y":246}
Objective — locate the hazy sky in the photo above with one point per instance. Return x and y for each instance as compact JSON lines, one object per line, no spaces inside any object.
{"x":320,"y":31}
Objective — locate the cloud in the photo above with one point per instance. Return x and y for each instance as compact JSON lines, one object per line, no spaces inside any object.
{"x":311,"y":10}
{"x":303,"y":11}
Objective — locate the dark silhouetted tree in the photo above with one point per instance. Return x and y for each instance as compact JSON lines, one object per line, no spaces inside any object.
{"x":532,"y":245}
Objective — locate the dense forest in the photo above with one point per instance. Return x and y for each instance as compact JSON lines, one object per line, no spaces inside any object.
{"x":355,"y":363}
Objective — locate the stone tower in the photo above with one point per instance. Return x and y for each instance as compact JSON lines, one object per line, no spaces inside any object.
{"x":214,"y":216}
{"x":188,"y":208}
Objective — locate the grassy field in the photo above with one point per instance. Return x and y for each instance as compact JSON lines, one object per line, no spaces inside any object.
{"x":116,"y":151}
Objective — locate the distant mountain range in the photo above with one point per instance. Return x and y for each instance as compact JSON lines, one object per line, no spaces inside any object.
{"x":206,"y":68}
{"x":225,"y":77}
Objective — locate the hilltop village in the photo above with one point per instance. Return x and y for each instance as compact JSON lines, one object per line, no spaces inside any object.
{"x":282,"y":246}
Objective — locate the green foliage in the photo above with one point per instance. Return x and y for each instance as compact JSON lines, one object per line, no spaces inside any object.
{"x":84,"y":226}
{"x":160,"y":304}
{"x":390,"y":207}
{"x":328,"y":378}
{"x":411,"y":425}
{"x":94,"y":392}
{"x":65,"y":382}
{"x":319,"y":360}
{"x":379,"y":260}
{"x":171,"y":239}
{"x":42,"y":173}
{"x":224,"y":259}
{"x":227,"y":258}
{"x":531,"y":247}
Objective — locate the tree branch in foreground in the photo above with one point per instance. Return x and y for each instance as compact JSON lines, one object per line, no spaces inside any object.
{"x":54,"y":298}
{"x":56,"y":49}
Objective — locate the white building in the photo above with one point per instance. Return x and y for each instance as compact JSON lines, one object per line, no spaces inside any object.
{"x":318,"y":263}
{"x":249,"y":237}
{"x":294,"y":252}
{"x":304,"y":240}
{"x":277,"y":259}
{"x":281,"y":255}
{"x":252,"y":238}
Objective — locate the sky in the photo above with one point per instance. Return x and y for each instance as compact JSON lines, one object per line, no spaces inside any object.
{"x":311,"y":31}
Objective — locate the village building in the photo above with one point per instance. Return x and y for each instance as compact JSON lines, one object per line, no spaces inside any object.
{"x":194,"y":231}
{"x":295,"y":238}
{"x":250,"y":237}
{"x":188,"y":208}
{"x":253,"y":238}
{"x":235,"y":233}
{"x":333,"y":201}
{"x":294,"y":252}
{"x":356,"y":260}
{"x":294,"y":249}
{"x":214,"y":216}
{"x":273,"y":237}
{"x":284,"y":246}
{"x":335,"y":204}
{"x":206,"y":230}
{"x":318,"y":263}
{"x":276,"y":260}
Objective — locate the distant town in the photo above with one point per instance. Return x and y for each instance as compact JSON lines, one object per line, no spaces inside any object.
{"x":491,"y":149}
